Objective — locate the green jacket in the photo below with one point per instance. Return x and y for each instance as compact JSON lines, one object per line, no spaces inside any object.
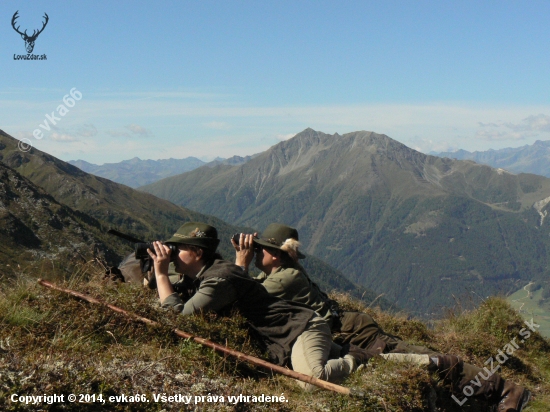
{"x":296,"y":286}
{"x":223,"y":286}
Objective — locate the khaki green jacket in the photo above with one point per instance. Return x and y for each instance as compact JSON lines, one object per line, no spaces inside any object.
{"x":222,"y":286}
{"x":295,"y":286}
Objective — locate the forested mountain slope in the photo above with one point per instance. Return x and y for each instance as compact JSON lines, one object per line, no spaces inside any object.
{"x":35,"y":230}
{"x":418,"y":228}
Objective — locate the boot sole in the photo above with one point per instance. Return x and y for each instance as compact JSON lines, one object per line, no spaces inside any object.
{"x":524,"y":400}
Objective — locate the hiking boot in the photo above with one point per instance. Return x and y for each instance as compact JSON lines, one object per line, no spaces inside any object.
{"x":448,"y":367}
{"x":513,"y":398}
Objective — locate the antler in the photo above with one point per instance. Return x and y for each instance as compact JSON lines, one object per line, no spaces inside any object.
{"x":34,"y":35}
{"x":15,"y":16}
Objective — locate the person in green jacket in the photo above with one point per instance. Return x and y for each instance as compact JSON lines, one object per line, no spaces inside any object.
{"x":292,"y":334}
{"x":277,"y":255}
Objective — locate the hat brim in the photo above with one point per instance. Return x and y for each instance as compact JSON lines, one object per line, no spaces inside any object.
{"x":205,"y":242}
{"x":268,"y":245}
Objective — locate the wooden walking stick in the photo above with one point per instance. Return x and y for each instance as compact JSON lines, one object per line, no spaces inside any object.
{"x":219,"y":348}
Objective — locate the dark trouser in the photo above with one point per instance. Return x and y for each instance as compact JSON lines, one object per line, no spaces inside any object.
{"x":361,"y":329}
{"x":481,"y":381}
{"x":356,"y":328}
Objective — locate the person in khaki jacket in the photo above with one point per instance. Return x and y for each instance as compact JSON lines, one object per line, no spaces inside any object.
{"x":277,"y":255}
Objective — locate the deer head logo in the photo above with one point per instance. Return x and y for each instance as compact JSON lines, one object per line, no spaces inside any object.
{"x":29,"y":40}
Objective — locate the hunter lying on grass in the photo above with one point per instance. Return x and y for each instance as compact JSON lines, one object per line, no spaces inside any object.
{"x":277,"y":255}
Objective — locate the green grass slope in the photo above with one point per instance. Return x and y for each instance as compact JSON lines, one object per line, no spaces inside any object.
{"x":53,"y":343}
{"x":532,"y":301}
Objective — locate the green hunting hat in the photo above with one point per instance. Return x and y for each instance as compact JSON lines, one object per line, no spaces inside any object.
{"x":282,"y":237}
{"x":196,"y":234}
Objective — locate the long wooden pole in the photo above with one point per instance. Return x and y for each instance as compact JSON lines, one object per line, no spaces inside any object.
{"x":220,"y":348}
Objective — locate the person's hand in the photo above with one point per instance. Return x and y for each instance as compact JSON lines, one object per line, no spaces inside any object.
{"x":161,"y":258}
{"x":244,"y":250}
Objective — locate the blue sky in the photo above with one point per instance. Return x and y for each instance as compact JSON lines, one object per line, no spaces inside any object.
{"x":221,"y":78}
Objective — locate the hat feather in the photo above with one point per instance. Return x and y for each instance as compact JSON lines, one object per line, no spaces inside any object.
{"x":291,"y":246}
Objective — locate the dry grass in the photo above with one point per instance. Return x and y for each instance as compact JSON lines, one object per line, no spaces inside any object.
{"x":52,"y":343}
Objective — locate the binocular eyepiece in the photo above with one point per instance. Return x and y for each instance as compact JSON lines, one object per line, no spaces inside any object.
{"x":237,"y":236}
{"x":140,"y":250}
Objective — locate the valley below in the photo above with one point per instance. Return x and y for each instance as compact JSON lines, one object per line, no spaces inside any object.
{"x":533,"y":305}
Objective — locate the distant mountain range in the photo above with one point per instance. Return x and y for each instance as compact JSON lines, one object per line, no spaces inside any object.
{"x":136,"y":172}
{"x":232,"y":161}
{"x":53,"y":211}
{"x":533,"y":158}
{"x":419,"y":228}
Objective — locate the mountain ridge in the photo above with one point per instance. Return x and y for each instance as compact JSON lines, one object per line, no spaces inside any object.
{"x":355,"y":197}
{"x":136,"y":172}
{"x":36,"y":230}
{"x":533,"y":158}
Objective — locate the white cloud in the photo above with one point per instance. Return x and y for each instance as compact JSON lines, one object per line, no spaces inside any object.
{"x":530,"y":127}
{"x":532,"y":123}
{"x":87,"y":130}
{"x":117,"y":133}
{"x":285,"y":136}
{"x":23,"y":135}
{"x":71,"y":134}
{"x":62,"y":137}
{"x":139,"y":130}
{"x":131,"y":131}
{"x":217,"y":125}
{"x":242,"y":130}
{"x":496,"y":135}
{"x":425,"y":145}
{"x":489,"y":124}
